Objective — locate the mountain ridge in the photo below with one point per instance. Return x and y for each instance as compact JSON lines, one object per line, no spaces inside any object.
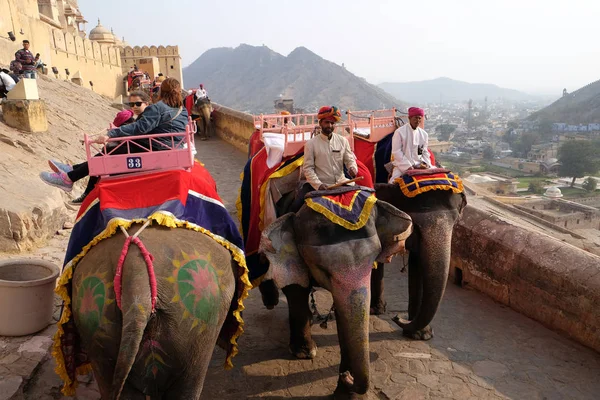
{"x":579,"y":107}
{"x":250,"y":78}
{"x":450,"y":90}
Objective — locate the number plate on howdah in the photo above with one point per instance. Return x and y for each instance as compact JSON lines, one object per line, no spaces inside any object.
{"x":134,"y":162}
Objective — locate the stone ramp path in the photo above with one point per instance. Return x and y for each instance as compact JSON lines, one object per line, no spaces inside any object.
{"x":481,"y":350}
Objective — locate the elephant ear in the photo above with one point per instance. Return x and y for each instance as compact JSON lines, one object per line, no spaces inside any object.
{"x":392,"y":224}
{"x":278,"y":244}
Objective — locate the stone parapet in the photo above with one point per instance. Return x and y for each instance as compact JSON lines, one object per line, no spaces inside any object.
{"x":543,"y":278}
{"x":26,"y":115}
{"x":233,"y":126}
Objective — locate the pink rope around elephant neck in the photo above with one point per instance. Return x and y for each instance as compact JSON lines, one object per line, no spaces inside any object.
{"x":148,"y":258}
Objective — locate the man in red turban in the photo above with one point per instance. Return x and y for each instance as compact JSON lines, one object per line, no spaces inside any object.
{"x":325,"y":156}
{"x":409,"y":145}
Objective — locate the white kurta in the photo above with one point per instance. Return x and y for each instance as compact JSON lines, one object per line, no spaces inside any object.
{"x":405,"y":149}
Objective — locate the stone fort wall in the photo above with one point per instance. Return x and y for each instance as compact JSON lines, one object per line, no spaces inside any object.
{"x":103,"y":65}
{"x":169,"y":60}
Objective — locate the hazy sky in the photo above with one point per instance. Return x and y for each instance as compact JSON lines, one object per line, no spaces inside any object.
{"x":538,"y":46}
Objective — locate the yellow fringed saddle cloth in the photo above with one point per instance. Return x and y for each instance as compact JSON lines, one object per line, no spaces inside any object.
{"x":415,"y":182}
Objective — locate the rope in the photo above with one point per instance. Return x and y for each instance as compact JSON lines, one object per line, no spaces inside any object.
{"x":321,"y":319}
{"x":148,"y":258}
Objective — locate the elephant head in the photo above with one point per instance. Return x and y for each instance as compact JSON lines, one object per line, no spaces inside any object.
{"x":202,"y":109}
{"x":434,"y":215}
{"x":307,"y":244}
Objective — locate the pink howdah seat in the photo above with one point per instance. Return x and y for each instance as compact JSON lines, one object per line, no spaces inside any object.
{"x":276,"y":133}
{"x":374,"y":125}
{"x":177,"y":154}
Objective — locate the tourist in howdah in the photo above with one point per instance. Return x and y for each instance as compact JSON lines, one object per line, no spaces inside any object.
{"x":65,"y":175}
{"x":409,"y":145}
{"x":325,"y":156}
{"x":7,"y":83}
{"x":27,"y":60}
{"x":286,"y":120}
{"x":166,"y":116}
{"x":138,"y":101}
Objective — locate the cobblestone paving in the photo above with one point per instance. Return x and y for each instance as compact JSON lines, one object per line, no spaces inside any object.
{"x":481,"y":350}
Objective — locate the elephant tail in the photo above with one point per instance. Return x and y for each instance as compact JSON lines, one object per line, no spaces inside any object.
{"x":136,"y":309}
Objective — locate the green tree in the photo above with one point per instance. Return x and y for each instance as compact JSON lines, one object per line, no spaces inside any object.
{"x":545,"y":129}
{"x":536,"y":187}
{"x":523,"y":145}
{"x":488,"y":153}
{"x":579,"y":158}
{"x":590,"y":184}
{"x":445,"y":130}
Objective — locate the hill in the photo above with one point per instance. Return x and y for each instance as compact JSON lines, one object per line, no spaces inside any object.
{"x":250,"y":78}
{"x":450,"y":90}
{"x":30,"y":210}
{"x":580,"y":107}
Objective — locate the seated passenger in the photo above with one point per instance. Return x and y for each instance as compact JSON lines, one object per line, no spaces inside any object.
{"x":65,"y":175}
{"x":166,"y":116}
{"x":409,"y":146}
{"x":287,"y":121}
{"x":325,"y":156}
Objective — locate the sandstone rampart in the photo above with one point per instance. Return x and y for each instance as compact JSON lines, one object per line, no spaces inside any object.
{"x":548,"y":280}
{"x":233,"y":126}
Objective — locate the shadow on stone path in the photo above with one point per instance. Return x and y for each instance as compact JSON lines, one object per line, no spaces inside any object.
{"x":482,"y":350}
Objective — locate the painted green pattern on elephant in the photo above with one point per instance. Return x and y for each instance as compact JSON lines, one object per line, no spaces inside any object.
{"x":90,"y":300}
{"x":198,"y":289}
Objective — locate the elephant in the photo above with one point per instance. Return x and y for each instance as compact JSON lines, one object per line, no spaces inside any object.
{"x":307,"y":247}
{"x":202,"y":109}
{"x":136,"y":351}
{"x":434,"y":214}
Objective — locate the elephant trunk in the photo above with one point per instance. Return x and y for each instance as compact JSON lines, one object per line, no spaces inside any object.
{"x":352,"y":300}
{"x":433,"y":256}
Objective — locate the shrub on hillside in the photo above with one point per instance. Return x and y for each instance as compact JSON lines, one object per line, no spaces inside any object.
{"x":536,"y":187}
{"x":590,"y":184}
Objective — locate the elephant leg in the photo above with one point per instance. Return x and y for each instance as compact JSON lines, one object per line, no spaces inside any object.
{"x":269,"y":293}
{"x":378,"y":303}
{"x":415,"y":297}
{"x":352,"y":319}
{"x":301,"y":343}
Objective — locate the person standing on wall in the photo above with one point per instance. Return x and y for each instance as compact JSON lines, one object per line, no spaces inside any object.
{"x":27,"y":60}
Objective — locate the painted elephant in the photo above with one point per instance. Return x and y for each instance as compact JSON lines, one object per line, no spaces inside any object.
{"x":135,"y":352}
{"x":307,"y":247}
{"x":434,"y":214}
{"x":202,"y":109}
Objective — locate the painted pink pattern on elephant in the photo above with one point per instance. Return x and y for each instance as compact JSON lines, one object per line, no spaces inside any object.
{"x":203,"y":283}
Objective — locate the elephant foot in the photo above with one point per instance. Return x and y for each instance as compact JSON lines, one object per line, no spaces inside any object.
{"x":269,"y":294}
{"x":304,"y":351}
{"x":423,"y":334}
{"x":343,"y":391}
{"x":379,"y":308}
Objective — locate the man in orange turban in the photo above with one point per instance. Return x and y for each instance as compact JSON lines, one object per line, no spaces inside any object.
{"x":325,"y":156}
